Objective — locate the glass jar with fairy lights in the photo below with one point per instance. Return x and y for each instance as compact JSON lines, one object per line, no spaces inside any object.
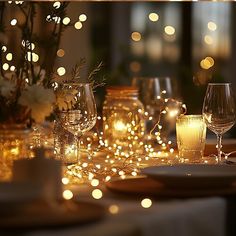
{"x":123,"y":121}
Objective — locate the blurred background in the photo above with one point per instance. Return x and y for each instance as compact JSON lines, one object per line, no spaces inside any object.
{"x":191,"y":43}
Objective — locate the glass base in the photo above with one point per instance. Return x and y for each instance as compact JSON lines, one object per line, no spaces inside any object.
{"x":191,"y":156}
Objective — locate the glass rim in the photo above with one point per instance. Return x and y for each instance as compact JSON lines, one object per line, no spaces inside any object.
{"x":219,"y":83}
{"x":190,"y":116}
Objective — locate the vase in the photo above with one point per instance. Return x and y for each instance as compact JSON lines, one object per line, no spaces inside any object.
{"x":123,"y":120}
{"x":13,"y":146}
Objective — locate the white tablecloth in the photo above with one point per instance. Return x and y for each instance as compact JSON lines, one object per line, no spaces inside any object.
{"x":206,"y":216}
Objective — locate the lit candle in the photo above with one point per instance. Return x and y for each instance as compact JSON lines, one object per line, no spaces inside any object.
{"x":191,"y":136}
{"x":119,"y":129}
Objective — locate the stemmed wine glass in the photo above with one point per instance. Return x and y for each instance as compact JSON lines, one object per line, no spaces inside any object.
{"x":219,"y":111}
{"x":81,"y":113}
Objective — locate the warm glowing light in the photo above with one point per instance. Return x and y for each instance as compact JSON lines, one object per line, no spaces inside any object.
{"x":66,"y":21}
{"x":67,"y":194}
{"x":4,"y":48}
{"x":82,"y":17}
{"x":65,"y":180}
{"x":13,"y":22}
{"x":113,"y":209}
{"x":56,"y":5}
{"x":9,"y":56}
{"x":119,"y":125}
{"x":32,"y":56}
{"x":208,"y":39}
{"x":207,"y":63}
{"x":60,"y":53}
{"x":146,"y":203}
{"x":12,"y":68}
{"x":153,"y":17}
{"x":5,"y":66}
{"x":78,"y":25}
{"x":136,"y":36}
{"x":170,"y":30}
{"x":212,"y":26}
{"x":97,"y":194}
{"x":210,"y":60}
{"x":61,"y":71}
{"x":95,"y":182}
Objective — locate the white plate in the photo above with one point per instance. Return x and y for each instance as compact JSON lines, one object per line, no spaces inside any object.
{"x":192,"y":176}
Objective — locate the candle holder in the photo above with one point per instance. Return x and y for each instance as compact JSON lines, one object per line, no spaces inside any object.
{"x":191,"y":137}
{"x":123,"y":120}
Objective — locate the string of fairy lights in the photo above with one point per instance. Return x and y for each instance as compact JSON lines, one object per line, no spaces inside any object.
{"x":103,"y":162}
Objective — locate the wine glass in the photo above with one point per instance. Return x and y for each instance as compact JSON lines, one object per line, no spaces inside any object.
{"x":81,"y":114}
{"x":151,"y":89}
{"x":219,"y":111}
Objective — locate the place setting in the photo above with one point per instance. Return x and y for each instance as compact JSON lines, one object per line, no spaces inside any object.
{"x":195,"y":174}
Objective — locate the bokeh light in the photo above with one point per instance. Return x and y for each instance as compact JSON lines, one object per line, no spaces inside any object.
{"x":146,"y":203}
{"x":82,"y":17}
{"x":13,"y":22}
{"x":9,"y":56}
{"x":61,"y":71}
{"x":67,"y":194}
{"x":136,"y":36}
{"x":66,"y":20}
{"x":208,"y":39}
{"x":153,"y":17}
{"x":78,"y":25}
{"x":97,"y":194}
{"x":113,"y":209}
{"x":60,"y":53}
{"x":56,"y":5}
{"x":170,"y":30}
{"x":5,"y":66}
{"x":212,"y":26}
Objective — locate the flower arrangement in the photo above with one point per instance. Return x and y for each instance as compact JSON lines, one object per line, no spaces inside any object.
{"x":30,"y":89}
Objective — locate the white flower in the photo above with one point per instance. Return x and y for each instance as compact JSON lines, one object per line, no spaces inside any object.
{"x":39,"y":100}
{"x":6,"y":87}
{"x":66,"y":99}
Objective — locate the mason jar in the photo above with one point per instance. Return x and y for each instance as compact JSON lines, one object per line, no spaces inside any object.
{"x":123,"y":120}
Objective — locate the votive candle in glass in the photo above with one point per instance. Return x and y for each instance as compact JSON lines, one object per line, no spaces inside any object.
{"x":191,"y":137}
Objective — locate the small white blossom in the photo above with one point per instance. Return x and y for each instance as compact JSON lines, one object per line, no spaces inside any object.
{"x":66,"y":99}
{"x":39,"y":100}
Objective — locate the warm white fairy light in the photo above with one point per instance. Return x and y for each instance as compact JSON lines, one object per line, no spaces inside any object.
{"x":32,"y":56}
{"x":13,"y":22}
{"x":113,"y":209}
{"x":56,"y":5}
{"x":66,"y":20}
{"x":65,"y":181}
{"x":12,"y":68}
{"x":4,"y":48}
{"x":67,"y":194}
{"x":82,"y":17}
{"x":97,"y":194}
{"x":146,"y":203}
{"x":9,"y":56}
{"x":78,"y":25}
{"x":61,"y":71}
{"x":5,"y":66}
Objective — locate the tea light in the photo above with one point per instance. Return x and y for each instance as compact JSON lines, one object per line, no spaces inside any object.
{"x":191,"y":136}
{"x":119,"y":129}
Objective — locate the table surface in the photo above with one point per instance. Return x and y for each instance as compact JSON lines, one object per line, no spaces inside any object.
{"x":165,"y":217}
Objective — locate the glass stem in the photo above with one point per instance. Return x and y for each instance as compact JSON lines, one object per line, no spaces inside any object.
{"x":219,"y":141}
{"x":77,"y":141}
